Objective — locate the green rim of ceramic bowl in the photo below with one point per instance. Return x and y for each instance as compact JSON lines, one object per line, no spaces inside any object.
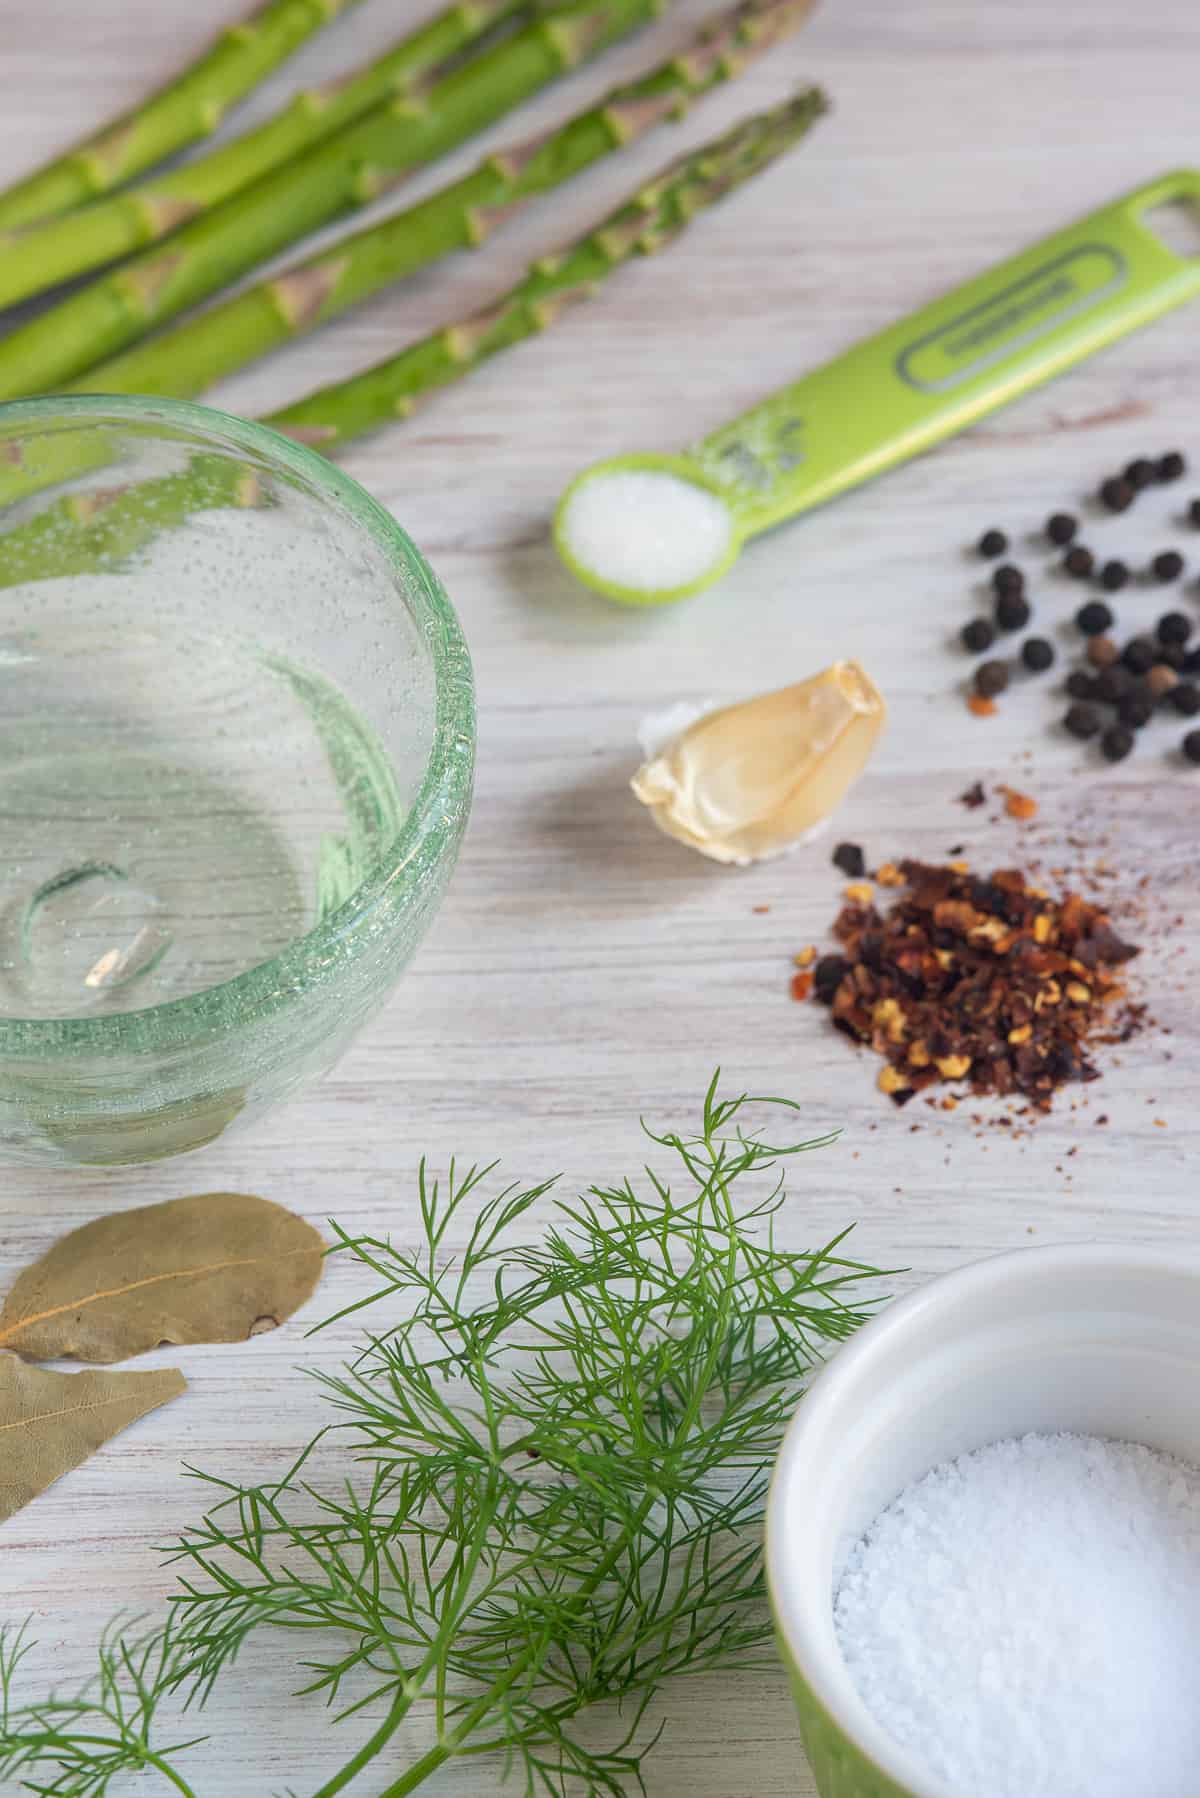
{"x":444,"y":791}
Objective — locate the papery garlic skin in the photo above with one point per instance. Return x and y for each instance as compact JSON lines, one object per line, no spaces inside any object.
{"x":752,"y":780}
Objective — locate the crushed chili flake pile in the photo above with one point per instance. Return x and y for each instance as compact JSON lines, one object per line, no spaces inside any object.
{"x":991,"y":982}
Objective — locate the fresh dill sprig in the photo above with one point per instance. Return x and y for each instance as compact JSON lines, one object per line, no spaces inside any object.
{"x":561,"y":1455}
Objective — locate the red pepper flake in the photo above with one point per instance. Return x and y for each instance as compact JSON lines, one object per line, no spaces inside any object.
{"x":980,"y":706}
{"x":974,"y":797}
{"x":802,"y":985}
{"x":1019,"y":805}
{"x":985,"y":981}
{"x":760,"y":909}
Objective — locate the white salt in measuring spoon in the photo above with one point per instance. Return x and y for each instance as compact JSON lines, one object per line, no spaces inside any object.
{"x":650,"y":529}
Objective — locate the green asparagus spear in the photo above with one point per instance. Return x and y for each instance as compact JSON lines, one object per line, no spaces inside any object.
{"x":201,"y":350}
{"x":84,"y":531}
{"x":356,"y":165}
{"x":186,"y":110}
{"x":35,"y":259}
{"x":652,"y":218}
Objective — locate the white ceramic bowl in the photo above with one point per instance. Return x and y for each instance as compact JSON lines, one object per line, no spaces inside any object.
{"x":1100,"y":1340}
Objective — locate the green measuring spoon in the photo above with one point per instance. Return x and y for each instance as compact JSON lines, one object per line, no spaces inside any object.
{"x":884,"y":400}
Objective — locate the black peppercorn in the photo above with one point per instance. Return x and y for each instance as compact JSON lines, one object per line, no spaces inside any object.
{"x":828,"y":975}
{"x":1113,"y":576}
{"x":1008,"y":579}
{"x":1136,"y":710}
{"x":1061,"y":527}
{"x":1191,"y":746}
{"x":1037,"y":654}
{"x":992,"y":543}
{"x":1079,"y":561}
{"x":1082,"y":721}
{"x":1139,"y":473}
{"x":1139,"y":654}
{"x":1094,"y":618}
{"x":1167,"y":566}
{"x":1081,"y":686}
{"x":1112,"y":684}
{"x":850,"y":859}
{"x":1116,"y":494}
{"x":1173,"y":627}
{"x":1191,"y":662}
{"x":1185,"y":697}
{"x":1173,"y":654}
{"x":1169,"y":467}
{"x":1011,"y":611}
{"x":1116,"y":742}
{"x":1194,"y":511}
{"x":991,"y":678}
{"x":978,"y":635}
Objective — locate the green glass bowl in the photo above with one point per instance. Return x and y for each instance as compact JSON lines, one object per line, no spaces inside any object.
{"x":237,"y":743}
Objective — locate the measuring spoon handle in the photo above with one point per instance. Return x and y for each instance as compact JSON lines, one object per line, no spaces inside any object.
{"x":973,"y":349}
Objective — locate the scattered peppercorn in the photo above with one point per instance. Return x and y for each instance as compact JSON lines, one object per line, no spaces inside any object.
{"x":1167,"y":565}
{"x":967,"y":979}
{"x":1191,"y":662}
{"x":1173,"y":627}
{"x":1012,"y":611}
{"x":1169,"y":467}
{"x":1093,"y":618}
{"x":1081,"y":685}
{"x":1194,"y":511}
{"x":1139,"y":655}
{"x":991,"y":678}
{"x":1083,"y":721}
{"x":993,"y":543}
{"x":1113,"y":683}
{"x":1117,"y":495}
{"x":1116,"y":742}
{"x":828,"y":975}
{"x":978,"y":635}
{"x":1079,"y":561}
{"x":1136,"y":710}
{"x":1139,"y":473}
{"x":1173,"y":654}
{"x":1191,"y":746}
{"x":1061,"y":527}
{"x":1037,"y":654}
{"x":1008,"y":579}
{"x":850,"y":859}
{"x":1185,"y":697}
{"x":1102,"y":652}
{"x":1160,"y":680}
{"x":1113,"y":576}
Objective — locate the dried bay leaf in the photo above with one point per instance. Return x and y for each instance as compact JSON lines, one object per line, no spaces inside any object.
{"x":51,"y":1422}
{"x":215,"y":1267}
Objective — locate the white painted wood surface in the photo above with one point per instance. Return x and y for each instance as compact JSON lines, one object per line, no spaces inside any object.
{"x":584,"y":968}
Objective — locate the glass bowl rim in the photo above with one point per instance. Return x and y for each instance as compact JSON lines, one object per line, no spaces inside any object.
{"x":263,"y":988}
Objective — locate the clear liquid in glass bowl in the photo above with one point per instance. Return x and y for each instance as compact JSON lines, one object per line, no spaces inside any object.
{"x":236,"y":744}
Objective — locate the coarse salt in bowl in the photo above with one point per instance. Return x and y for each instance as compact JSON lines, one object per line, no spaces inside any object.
{"x":1099,"y":1341}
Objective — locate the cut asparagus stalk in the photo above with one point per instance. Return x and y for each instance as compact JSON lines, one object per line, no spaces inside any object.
{"x":652,"y":218}
{"x":34,"y":259}
{"x":356,"y":165}
{"x":187,"y":109}
{"x":85,"y":531}
{"x":201,"y":350}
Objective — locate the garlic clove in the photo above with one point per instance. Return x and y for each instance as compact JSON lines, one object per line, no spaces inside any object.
{"x":752,"y":780}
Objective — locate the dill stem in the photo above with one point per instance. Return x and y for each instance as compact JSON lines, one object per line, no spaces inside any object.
{"x":441,"y":1752}
{"x":168,"y":1772}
